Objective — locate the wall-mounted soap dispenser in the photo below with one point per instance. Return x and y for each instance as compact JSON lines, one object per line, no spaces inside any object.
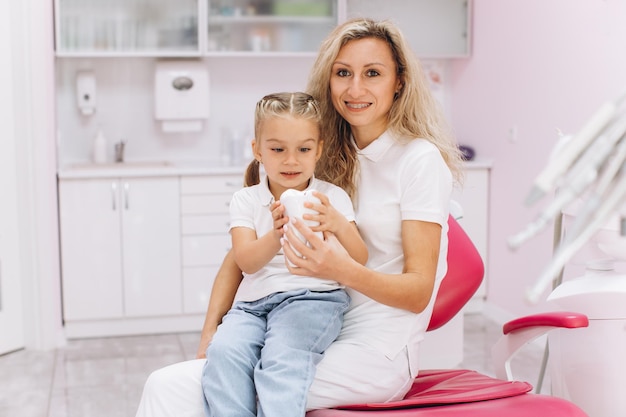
{"x":86,"y":92}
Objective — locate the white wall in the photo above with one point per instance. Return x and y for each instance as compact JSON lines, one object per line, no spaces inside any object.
{"x":125,"y":105}
{"x":35,"y":161}
{"x":11,"y":312}
{"x":536,"y":65}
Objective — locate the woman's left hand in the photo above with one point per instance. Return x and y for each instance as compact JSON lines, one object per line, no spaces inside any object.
{"x":327,"y":259}
{"x":321,"y":258}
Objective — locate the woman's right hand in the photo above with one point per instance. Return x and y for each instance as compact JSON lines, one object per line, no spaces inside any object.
{"x":222,"y":297}
{"x":205,"y":340}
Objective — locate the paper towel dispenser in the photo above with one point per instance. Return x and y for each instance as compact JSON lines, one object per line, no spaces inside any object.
{"x":181,"y":95}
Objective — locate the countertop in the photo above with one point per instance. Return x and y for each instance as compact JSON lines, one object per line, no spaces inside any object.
{"x":175,"y":168}
{"x":146,"y":169}
{"x":479,"y":163}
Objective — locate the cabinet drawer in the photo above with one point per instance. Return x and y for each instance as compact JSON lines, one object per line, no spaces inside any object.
{"x":205,"y":250}
{"x":203,"y":224}
{"x":197,"y":285}
{"x":211,"y":184}
{"x":205,"y":204}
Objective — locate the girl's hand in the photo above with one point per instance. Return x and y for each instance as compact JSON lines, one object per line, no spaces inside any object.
{"x":326,"y":258}
{"x":329,"y":218}
{"x":278,"y":215}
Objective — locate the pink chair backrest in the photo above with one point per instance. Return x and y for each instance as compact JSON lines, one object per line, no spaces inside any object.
{"x":465,"y":273}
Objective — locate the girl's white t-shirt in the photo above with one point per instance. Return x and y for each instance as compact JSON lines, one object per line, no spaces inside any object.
{"x":250,"y":207}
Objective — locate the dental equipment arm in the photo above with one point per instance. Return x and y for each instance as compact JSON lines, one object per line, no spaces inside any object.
{"x":592,"y":167}
{"x":548,"y":178}
{"x":611,"y":170}
{"x":577,"y":180}
{"x":583,"y":229}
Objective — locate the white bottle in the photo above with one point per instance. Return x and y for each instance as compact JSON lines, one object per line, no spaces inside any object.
{"x":99,"y":149}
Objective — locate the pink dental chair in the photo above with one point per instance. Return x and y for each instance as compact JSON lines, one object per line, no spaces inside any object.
{"x":464,"y":393}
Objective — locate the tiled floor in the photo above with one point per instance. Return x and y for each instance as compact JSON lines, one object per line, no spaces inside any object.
{"x":104,"y":377}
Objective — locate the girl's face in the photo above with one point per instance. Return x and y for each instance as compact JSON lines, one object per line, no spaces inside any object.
{"x":363,"y":83}
{"x":288,"y":148}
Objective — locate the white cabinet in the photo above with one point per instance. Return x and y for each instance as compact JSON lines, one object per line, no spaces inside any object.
{"x":120,"y":244}
{"x":204,"y":202}
{"x":434,"y":28}
{"x":91,"y":257}
{"x":268,"y":26}
{"x":191,"y":27}
{"x":443,"y":348}
{"x":139,"y":254}
{"x":474,"y":199}
{"x":127,"y":27}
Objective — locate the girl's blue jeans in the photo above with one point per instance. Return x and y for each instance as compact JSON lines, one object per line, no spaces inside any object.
{"x":267,"y":350}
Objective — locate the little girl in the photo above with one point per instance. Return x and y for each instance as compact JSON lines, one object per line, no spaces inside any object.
{"x":261,"y":361}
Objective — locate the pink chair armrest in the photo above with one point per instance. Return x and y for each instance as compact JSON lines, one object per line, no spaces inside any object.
{"x":521,"y":331}
{"x":553,"y":319}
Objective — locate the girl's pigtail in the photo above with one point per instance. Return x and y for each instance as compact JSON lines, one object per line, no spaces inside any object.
{"x":252,"y":176}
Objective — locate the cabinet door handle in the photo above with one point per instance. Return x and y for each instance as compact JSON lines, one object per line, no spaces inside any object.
{"x":114,"y":196}
{"x":126,"y":193}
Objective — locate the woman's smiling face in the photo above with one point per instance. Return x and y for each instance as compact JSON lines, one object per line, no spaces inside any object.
{"x":363,"y":83}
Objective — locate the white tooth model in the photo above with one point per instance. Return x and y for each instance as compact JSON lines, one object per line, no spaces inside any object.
{"x":588,"y":365}
{"x":294,"y":200}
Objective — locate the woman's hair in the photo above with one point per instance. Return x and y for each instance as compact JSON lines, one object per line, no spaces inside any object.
{"x":298,"y":104}
{"x":415,"y":113}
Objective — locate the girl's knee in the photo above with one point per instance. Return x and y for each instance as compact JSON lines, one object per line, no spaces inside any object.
{"x":229,"y":351}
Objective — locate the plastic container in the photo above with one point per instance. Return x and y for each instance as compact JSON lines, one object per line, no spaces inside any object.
{"x":99,"y":148}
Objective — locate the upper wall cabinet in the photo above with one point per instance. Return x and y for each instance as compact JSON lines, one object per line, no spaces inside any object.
{"x":433,"y":28}
{"x":192,"y":27}
{"x":268,"y":26}
{"x":186,"y":28}
{"x":127,"y":27}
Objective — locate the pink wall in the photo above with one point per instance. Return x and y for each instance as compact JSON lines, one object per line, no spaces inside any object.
{"x":538,"y":65}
